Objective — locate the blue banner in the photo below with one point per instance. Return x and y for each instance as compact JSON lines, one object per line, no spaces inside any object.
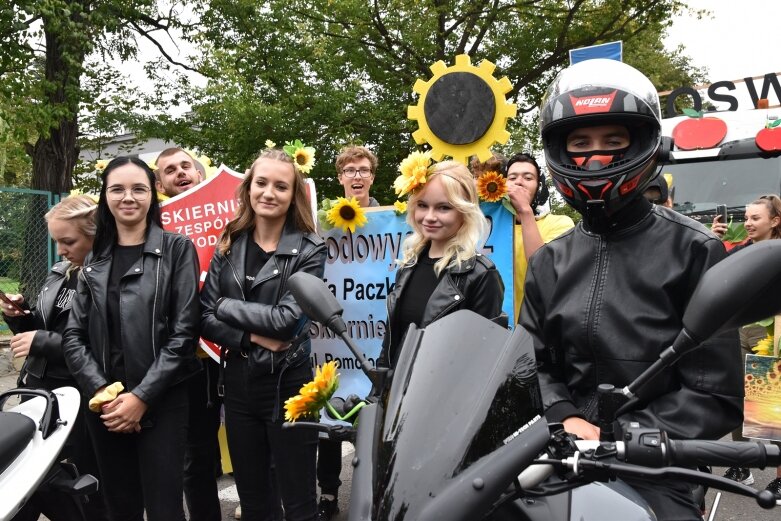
{"x":360,"y":272}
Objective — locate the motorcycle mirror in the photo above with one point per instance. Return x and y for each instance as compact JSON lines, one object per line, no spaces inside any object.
{"x":317,"y":301}
{"x":739,"y":290}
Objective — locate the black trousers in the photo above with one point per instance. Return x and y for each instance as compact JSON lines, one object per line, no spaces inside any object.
{"x":253,"y":419}
{"x":200,"y":458}
{"x":329,"y":466}
{"x":143,"y":471}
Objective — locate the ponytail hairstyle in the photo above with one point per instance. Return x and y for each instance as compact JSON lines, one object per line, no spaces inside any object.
{"x":245,"y":216}
{"x":773,"y":204}
{"x":461,"y":193}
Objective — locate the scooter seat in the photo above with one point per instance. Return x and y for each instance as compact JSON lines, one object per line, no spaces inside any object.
{"x":16,"y":432}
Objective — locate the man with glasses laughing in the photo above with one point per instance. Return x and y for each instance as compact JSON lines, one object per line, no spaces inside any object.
{"x":355,"y":168}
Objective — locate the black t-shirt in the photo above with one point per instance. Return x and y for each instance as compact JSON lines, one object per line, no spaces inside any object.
{"x":414,"y":298}
{"x":255,"y":260}
{"x":123,"y":258}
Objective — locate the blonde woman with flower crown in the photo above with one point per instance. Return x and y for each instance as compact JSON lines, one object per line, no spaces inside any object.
{"x":249,"y":311}
{"x":441,"y":270}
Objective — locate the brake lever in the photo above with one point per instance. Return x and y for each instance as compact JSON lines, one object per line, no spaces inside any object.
{"x":581,"y":466}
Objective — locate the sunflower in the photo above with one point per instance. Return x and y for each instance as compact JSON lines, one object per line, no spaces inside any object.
{"x":764,"y":346}
{"x":313,"y":395}
{"x":414,"y":172}
{"x":303,"y":157}
{"x":400,"y":206}
{"x":101,"y":164}
{"x":270,"y":144}
{"x":346,"y":214}
{"x":491,"y":187}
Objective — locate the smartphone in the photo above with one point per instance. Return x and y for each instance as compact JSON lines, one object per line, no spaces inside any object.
{"x":721,"y":209}
{"x":4,"y":298}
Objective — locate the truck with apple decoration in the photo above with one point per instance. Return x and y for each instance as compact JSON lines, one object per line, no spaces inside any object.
{"x":724,"y":157}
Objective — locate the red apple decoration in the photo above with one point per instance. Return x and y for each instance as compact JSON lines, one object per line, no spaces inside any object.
{"x":697,"y":132}
{"x":769,"y":139}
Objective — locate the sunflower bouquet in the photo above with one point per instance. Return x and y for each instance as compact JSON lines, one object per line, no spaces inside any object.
{"x":492,"y":188}
{"x":765,"y":346}
{"x":303,"y":156}
{"x":313,"y":395}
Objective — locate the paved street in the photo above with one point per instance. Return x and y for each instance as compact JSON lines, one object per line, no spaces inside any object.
{"x":733,"y":508}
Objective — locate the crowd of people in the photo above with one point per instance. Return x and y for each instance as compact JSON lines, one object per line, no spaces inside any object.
{"x":124,"y":306}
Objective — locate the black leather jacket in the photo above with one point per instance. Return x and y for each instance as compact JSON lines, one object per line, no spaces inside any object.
{"x":160,"y":311}
{"x":476,"y":286}
{"x":228,"y":315}
{"x":601,"y":308}
{"x":45,"y":360}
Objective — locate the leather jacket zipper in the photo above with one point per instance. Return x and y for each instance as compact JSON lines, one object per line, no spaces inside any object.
{"x":154,"y":307}
{"x":105,"y":328}
{"x":593,"y":302}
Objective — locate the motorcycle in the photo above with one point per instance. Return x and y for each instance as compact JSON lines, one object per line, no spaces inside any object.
{"x":460,"y":433}
{"x":33,"y":435}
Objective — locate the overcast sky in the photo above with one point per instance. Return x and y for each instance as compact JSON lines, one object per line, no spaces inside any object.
{"x":739,"y":39}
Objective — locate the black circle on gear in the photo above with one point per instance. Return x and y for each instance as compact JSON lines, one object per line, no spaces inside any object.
{"x":459,"y":108}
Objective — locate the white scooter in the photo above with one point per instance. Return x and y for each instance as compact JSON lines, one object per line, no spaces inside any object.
{"x":32,"y":436}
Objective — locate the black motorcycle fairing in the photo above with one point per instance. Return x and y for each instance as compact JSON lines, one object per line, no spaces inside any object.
{"x":464,"y":389}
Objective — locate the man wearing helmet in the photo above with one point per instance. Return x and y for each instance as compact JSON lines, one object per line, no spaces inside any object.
{"x":604,"y":299}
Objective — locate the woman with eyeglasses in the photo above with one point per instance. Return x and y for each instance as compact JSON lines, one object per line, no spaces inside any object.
{"x":134,"y":320}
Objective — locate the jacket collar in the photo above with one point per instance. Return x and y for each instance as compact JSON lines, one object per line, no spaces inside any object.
{"x":467,"y":265}
{"x":153,"y":243}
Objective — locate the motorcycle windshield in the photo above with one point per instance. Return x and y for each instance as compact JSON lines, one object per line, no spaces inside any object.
{"x":464,"y":387}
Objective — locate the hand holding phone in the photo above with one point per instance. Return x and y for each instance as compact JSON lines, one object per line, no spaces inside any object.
{"x":9,"y":305}
{"x":721,"y":211}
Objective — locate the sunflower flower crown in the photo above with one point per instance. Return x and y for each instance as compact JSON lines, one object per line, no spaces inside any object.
{"x":303,"y":156}
{"x":313,"y":395}
{"x":414,"y":172}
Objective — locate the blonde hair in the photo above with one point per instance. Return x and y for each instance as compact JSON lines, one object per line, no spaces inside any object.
{"x":245,"y":216}
{"x":77,"y":208}
{"x":460,"y":191}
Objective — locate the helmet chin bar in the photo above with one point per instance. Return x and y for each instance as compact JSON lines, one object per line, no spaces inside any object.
{"x":595,"y":215}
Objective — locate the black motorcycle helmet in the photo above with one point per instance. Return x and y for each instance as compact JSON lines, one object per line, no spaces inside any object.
{"x":541,"y":197}
{"x":596,"y":93}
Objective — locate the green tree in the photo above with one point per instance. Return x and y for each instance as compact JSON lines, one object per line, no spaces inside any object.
{"x":332,"y":73}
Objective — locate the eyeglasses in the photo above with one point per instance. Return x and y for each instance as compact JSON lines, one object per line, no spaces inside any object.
{"x":117,"y":193}
{"x":351,"y":173}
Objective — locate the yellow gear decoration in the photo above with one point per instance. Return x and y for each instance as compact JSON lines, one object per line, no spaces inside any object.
{"x":496,"y":132}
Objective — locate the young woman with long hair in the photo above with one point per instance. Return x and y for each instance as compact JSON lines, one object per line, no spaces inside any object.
{"x":248,"y":310}
{"x":134,"y":320}
{"x":441,"y":270}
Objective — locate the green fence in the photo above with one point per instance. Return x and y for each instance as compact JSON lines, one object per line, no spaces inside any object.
{"x":26,"y":252}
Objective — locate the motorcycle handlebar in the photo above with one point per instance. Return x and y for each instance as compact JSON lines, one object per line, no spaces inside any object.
{"x":652,"y":448}
{"x":693,"y":453}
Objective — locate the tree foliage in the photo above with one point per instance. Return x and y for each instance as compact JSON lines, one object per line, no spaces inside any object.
{"x":337,"y":72}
